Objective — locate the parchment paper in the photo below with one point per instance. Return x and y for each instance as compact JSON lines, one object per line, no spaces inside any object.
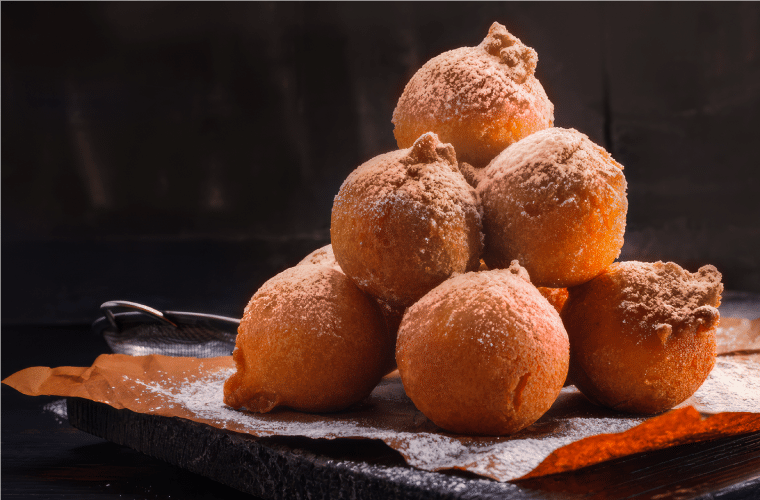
{"x":573,"y":434}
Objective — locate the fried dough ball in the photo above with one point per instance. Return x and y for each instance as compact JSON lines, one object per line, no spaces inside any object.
{"x":309,"y":340}
{"x":405,"y":221}
{"x":479,"y":99}
{"x":324,"y":256}
{"x":556,"y":296}
{"x":556,"y":202}
{"x":642,"y":335}
{"x":483,"y":353}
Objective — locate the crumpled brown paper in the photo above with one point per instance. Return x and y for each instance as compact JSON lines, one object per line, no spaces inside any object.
{"x":574,"y":433}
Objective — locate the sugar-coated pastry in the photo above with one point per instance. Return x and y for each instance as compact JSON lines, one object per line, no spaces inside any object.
{"x":309,"y":340}
{"x":479,"y":99}
{"x":324,"y":256}
{"x":483,"y":353}
{"x":556,"y":202}
{"x":405,"y":221}
{"x":642,"y":335}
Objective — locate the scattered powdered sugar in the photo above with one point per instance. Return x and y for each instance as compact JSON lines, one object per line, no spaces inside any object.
{"x":204,"y":397}
{"x":389,"y":415}
{"x":58,"y":409}
{"x":437,"y":483}
{"x":733,"y":386}
{"x":518,"y":457}
{"x":737,"y":334}
{"x":502,"y":458}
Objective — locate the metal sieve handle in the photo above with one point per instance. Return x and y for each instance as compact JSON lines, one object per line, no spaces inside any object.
{"x":107,"y":307}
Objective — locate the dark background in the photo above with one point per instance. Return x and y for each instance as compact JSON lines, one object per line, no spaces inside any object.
{"x":180,"y":154}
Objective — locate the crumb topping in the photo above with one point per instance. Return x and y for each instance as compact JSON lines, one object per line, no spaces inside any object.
{"x":519,"y":58}
{"x":428,"y":149}
{"x":426,"y":174}
{"x":665,"y":298}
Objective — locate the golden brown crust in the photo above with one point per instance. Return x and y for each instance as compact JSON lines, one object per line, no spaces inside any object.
{"x":309,"y":340}
{"x":643,"y":334}
{"x":479,"y":99}
{"x":483,"y":353}
{"x":405,"y":221}
{"x":556,"y":202}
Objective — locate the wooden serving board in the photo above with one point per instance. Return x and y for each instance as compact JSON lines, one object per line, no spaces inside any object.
{"x":287,"y":468}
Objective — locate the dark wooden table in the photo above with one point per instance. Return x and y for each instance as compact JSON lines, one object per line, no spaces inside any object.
{"x":43,"y":456}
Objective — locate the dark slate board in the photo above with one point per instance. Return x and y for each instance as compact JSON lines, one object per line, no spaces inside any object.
{"x":295,"y":468}
{"x":288,"y":468}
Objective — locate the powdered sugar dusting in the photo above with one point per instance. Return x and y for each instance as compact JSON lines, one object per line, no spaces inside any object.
{"x":501,"y":458}
{"x":389,"y":415}
{"x":737,"y":334}
{"x":58,"y":409}
{"x":518,"y":457}
{"x":733,"y":385}
{"x":556,"y":202}
{"x":480,"y":99}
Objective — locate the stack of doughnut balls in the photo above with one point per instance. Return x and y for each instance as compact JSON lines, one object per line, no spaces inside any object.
{"x":479,"y":260}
